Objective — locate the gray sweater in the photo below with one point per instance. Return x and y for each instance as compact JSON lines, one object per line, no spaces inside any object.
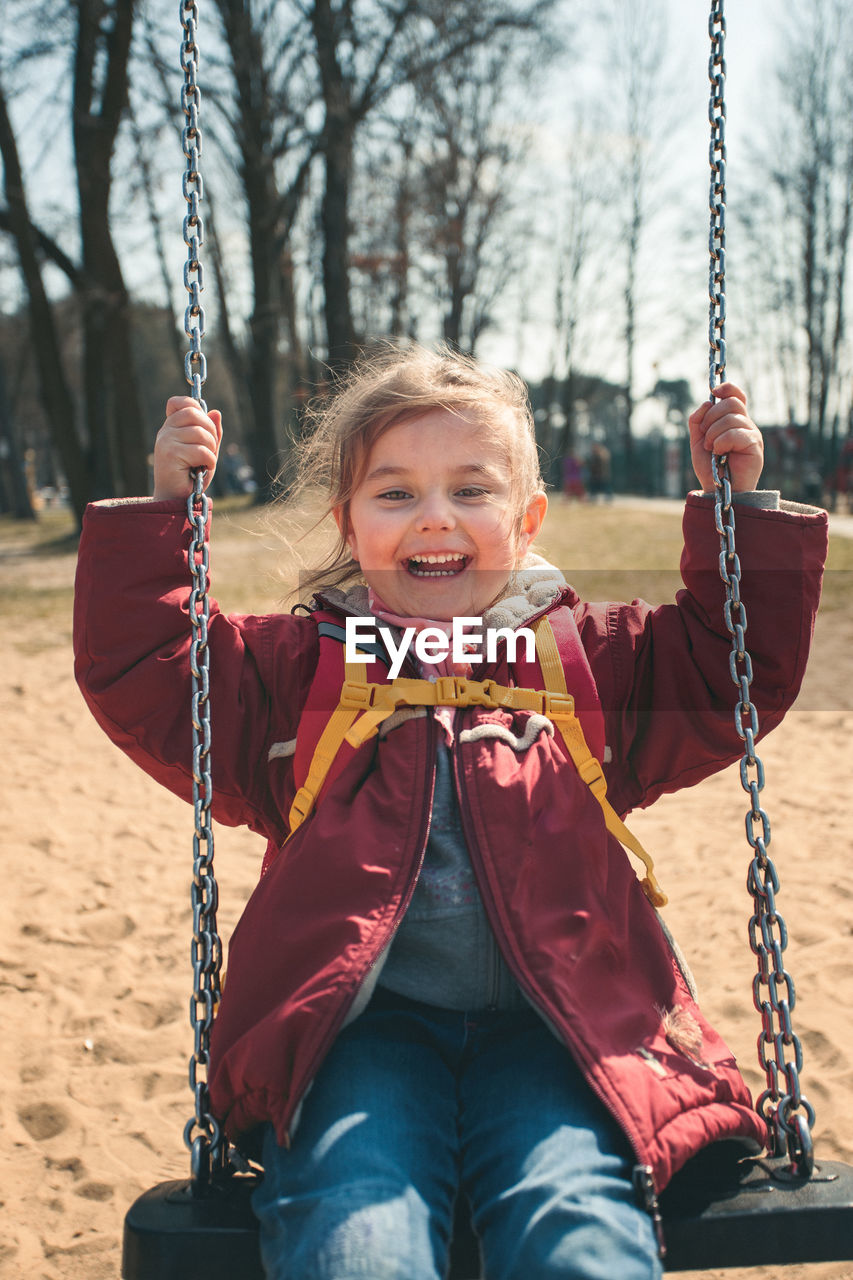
{"x":445,"y":952}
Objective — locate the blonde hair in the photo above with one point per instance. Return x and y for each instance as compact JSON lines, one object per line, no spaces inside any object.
{"x":383,"y":389}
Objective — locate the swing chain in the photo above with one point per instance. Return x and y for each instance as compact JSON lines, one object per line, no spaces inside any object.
{"x":202,"y":1132}
{"x":195,"y":363}
{"x":206,"y":950}
{"x":780,"y":1053}
{"x":717,"y":200}
{"x":787,"y":1127}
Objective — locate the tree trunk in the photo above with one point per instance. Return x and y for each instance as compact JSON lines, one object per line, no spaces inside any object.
{"x":118,"y":442}
{"x":53,"y":387}
{"x":338,"y":142}
{"x":270,"y":219}
{"x":399,"y":322}
{"x":634,"y":229}
{"x":14,"y":493}
{"x":262,"y":357}
{"x":452,"y":328}
{"x":298,"y":361}
{"x":570,"y":410}
{"x":334,"y":218}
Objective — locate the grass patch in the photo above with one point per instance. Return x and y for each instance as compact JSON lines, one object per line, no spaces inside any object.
{"x":838,"y":578}
{"x":52,"y":531}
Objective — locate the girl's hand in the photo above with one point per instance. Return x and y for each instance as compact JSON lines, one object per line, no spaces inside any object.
{"x":723,"y":425}
{"x":189,"y":438}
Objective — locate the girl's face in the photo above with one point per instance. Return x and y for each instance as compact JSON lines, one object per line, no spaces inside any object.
{"x":431,"y":523}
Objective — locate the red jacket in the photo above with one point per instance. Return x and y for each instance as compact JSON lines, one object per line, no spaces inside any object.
{"x":563,"y":900}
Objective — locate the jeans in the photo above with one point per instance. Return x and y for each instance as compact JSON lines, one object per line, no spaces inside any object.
{"x":414,"y":1101}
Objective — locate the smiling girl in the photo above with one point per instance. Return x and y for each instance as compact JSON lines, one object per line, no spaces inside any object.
{"x":449,"y":975}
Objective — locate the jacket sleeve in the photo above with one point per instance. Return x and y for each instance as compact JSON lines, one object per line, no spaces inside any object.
{"x":132,"y":642}
{"x":665,"y":678}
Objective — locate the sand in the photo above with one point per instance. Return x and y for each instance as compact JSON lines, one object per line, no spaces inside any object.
{"x":94,"y":939}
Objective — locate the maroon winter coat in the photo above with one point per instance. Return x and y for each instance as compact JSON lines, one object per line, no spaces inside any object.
{"x":562,"y":897}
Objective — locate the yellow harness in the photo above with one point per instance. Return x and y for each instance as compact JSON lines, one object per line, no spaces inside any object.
{"x":364,"y":706}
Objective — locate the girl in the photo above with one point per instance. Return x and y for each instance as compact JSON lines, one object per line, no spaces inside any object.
{"x":449,"y":974}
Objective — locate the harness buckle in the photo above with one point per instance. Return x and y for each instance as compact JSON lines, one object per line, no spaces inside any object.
{"x":450,"y":691}
{"x":357,"y":693}
{"x":457,"y":691}
{"x":303,"y":803}
{"x":593,"y":775}
{"x":484,"y":693}
{"x":558,"y":706}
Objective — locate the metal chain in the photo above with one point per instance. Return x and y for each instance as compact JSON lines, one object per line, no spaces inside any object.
{"x":717,"y":199}
{"x":773,"y":990}
{"x":195,"y":364}
{"x":202,"y":1133}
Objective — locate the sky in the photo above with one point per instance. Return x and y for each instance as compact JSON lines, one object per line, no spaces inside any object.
{"x":751,"y":39}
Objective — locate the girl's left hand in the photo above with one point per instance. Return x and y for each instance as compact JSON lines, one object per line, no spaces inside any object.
{"x":722,"y":425}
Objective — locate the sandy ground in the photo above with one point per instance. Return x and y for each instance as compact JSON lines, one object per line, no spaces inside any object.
{"x":94,"y":941}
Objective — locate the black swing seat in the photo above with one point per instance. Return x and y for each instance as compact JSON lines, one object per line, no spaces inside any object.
{"x":756,"y":1213}
{"x":174,"y":1233}
{"x":750,"y":1214}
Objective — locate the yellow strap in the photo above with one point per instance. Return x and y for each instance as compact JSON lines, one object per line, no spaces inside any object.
{"x":549,"y":656}
{"x":379,"y":701}
{"x":327,"y":748}
{"x":364,"y":706}
{"x":585,"y":762}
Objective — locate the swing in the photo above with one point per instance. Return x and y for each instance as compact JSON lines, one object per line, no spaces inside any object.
{"x":718,"y":1212}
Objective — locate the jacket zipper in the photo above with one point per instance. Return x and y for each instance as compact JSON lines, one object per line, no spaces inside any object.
{"x":644,"y":1189}
{"x":642,"y":1174}
{"x":417,"y":863}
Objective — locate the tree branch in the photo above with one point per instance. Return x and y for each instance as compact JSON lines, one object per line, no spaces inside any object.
{"x":49,"y":249}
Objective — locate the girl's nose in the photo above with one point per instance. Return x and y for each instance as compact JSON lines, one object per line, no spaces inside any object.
{"x":435,"y":512}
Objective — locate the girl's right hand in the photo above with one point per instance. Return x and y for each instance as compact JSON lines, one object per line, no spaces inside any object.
{"x":188,"y":439}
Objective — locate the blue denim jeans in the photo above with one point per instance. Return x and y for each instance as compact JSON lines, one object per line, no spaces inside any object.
{"x":414,"y":1101}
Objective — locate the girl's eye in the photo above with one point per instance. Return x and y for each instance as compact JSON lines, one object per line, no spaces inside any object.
{"x":395,"y":495}
{"x":472,"y":491}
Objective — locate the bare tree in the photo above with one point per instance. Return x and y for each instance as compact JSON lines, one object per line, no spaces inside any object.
{"x":14,"y":493}
{"x":583,"y":259}
{"x":365,"y":51}
{"x":470,"y":182}
{"x":54,"y":389}
{"x":118,"y":443}
{"x":819,"y":192}
{"x":259,"y":86}
{"x":636,"y":46}
{"x":273,"y":149}
{"x":798,"y":219}
{"x":383,"y":243}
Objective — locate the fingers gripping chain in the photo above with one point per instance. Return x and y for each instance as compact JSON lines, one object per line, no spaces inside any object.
{"x":780,"y":1052}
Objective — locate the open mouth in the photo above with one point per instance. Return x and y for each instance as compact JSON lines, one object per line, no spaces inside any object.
{"x":446,"y":565}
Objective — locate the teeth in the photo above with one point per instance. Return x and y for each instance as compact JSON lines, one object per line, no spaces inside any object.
{"x":451,"y":555}
{"x":417,"y":564}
